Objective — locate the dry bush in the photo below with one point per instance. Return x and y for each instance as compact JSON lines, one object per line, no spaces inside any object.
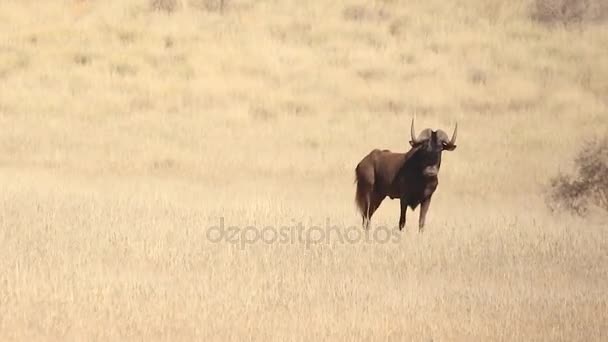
{"x":171,"y":6}
{"x":588,"y":186}
{"x":365,"y":13}
{"x":168,"y":6}
{"x":569,"y":11}
{"x":209,"y":5}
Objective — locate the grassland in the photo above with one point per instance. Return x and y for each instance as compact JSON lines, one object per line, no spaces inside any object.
{"x":127,"y":134}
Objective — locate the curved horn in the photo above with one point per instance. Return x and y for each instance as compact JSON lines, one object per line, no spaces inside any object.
{"x":453,"y":140}
{"x":413,"y":131}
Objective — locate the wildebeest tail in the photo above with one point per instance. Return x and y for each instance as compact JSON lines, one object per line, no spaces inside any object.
{"x":360,"y":200}
{"x":361,"y":194}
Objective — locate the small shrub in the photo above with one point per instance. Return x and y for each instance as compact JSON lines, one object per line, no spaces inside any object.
{"x":569,"y":11}
{"x":477,"y":76}
{"x":81,"y":59}
{"x":588,"y":186}
{"x":171,"y":6}
{"x":363,"y":13}
{"x":168,"y":6}
{"x":209,"y":5}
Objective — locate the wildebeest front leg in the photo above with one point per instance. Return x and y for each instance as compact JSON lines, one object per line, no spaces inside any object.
{"x":424,"y":207}
{"x":403,"y":211}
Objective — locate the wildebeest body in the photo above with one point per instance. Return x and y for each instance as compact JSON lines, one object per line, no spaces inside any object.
{"x":411,"y":177}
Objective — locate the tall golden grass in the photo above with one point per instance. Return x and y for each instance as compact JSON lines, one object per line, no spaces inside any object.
{"x":127,"y":134}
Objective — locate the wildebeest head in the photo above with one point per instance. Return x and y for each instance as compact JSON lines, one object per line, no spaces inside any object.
{"x":429,"y":145}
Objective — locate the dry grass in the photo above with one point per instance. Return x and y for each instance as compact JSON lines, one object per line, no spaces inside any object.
{"x":127,"y":134}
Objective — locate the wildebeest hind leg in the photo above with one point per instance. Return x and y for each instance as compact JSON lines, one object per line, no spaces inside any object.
{"x":365,"y":209}
{"x":374,"y":204}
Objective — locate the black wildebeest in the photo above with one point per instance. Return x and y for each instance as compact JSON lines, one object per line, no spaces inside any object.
{"x":411,"y":176}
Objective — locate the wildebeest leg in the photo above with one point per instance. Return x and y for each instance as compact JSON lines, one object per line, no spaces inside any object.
{"x":373,"y":204}
{"x":424,"y":207}
{"x":365,"y":222}
{"x":403,"y":212}
{"x":366,"y":215}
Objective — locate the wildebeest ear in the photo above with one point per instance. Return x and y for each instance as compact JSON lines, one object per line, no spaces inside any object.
{"x":449,"y":147}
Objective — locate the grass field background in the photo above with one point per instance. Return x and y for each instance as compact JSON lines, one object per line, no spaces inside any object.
{"x":128,"y":133}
